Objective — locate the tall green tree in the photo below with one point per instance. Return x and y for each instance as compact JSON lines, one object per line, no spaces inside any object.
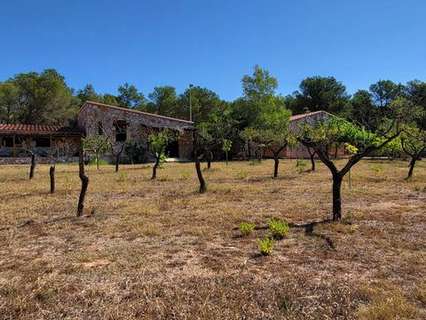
{"x":363,"y":111}
{"x":320,"y":93}
{"x":203,"y":101}
{"x":164,"y":101}
{"x":129,"y":96}
{"x":9,"y":102}
{"x":271,"y":130}
{"x":259,"y":89}
{"x":44,"y":98}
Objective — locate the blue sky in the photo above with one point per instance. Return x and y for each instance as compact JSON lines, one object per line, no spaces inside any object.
{"x":214,"y":43}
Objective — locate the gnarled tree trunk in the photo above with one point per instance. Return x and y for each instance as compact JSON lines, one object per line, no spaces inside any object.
{"x":84,"y":184}
{"x":411,"y":166}
{"x":337,"y":197}
{"x":209,"y":160}
{"x":52,"y":178}
{"x":203,"y":186}
{"x":33,"y":165}
{"x":154,"y":168}
{"x":276,"y":164}
{"x":312,"y":157}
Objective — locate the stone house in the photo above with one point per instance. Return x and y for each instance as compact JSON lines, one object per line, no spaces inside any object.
{"x":18,"y":140}
{"x":299,"y":151}
{"x":122,"y":125}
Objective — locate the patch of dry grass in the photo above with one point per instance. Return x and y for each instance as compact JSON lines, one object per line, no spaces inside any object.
{"x":159,"y":250}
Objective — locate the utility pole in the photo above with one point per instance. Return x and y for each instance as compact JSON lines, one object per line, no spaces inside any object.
{"x":190,"y":102}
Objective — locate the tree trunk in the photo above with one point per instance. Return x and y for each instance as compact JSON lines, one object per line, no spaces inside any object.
{"x":226,"y":157}
{"x":209,"y":160}
{"x":33,"y":165}
{"x":84,"y":184}
{"x":52,"y":178}
{"x":117,"y":161}
{"x":97,"y":162}
{"x":312,"y":155}
{"x":336,"y":152}
{"x":411,"y":165}
{"x":154,"y":168}
{"x":203,"y":186}
{"x":337,"y":197}
{"x":276,"y":164}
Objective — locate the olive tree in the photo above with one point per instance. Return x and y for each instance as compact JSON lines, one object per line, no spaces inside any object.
{"x":322,"y":135}
{"x":271,"y":131}
{"x":413,"y":143}
{"x":158,"y":141}
{"x":97,"y":145}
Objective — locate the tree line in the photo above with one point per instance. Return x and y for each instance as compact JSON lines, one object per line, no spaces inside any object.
{"x":46,"y":98}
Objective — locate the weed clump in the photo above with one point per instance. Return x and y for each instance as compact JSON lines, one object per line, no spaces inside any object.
{"x":279,"y":229}
{"x":266,"y":245}
{"x":246,"y":228}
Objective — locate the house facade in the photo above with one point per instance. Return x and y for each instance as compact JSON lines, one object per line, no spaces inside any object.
{"x":122,"y":125}
{"x":299,"y":151}
{"x":17,"y":141}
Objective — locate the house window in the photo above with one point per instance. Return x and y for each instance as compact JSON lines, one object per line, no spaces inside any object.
{"x":120,"y":130}
{"x":42,"y":142}
{"x":8,"y":142}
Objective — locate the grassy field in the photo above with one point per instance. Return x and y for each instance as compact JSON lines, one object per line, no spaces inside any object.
{"x":159,"y":250}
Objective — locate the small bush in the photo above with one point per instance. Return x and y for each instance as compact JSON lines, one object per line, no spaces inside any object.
{"x":265,"y":246}
{"x":246,"y":228}
{"x":278,"y":228}
{"x":300,"y":166}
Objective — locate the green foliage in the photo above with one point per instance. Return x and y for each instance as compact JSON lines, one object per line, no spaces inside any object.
{"x":279,"y":228}
{"x":37,"y":98}
{"x":226,"y":145}
{"x":96,"y":145}
{"x":164,"y":101}
{"x":246,"y":228}
{"x":158,"y":143}
{"x":265,"y":245}
{"x":320,"y":93}
{"x":129,"y":96}
{"x":334,"y":130}
{"x":300,"y":165}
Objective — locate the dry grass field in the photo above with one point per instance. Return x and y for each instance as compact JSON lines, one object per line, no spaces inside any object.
{"x":159,"y":250}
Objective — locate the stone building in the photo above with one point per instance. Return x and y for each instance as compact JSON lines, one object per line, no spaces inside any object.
{"x":18,"y":140}
{"x":299,"y":151}
{"x":122,"y":125}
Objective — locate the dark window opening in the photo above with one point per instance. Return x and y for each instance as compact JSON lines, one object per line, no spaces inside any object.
{"x":8,"y":142}
{"x":42,"y":142}
{"x":172,"y":149}
{"x":120,"y":130}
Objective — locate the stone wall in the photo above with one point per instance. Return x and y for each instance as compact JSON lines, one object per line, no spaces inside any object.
{"x":95,"y":118}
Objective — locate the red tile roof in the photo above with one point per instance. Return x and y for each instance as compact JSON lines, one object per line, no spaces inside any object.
{"x":35,"y":129}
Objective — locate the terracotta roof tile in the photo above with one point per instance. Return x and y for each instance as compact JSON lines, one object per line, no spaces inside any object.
{"x":37,"y":129}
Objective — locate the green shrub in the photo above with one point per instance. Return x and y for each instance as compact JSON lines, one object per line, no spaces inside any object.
{"x":266,"y":245}
{"x":278,"y":228}
{"x":300,"y":165}
{"x":246,"y":228}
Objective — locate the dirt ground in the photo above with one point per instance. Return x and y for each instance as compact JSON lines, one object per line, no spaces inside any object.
{"x":159,"y":250}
